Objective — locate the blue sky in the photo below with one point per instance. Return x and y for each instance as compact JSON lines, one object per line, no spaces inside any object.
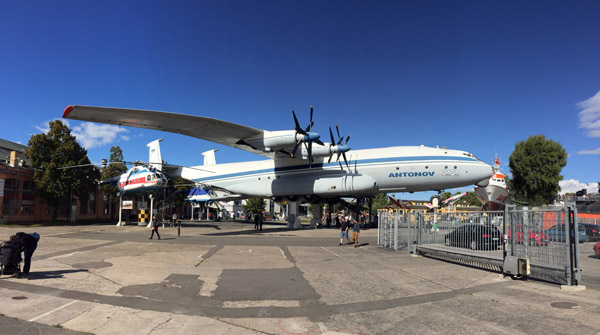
{"x":478,"y":76}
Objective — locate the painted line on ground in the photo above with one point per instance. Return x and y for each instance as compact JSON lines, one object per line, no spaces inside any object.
{"x":331,"y":252}
{"x":54,"y":310}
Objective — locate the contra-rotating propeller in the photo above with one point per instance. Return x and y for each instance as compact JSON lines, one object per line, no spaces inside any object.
{"x":308,"y":136}
{"x":338,"y":147}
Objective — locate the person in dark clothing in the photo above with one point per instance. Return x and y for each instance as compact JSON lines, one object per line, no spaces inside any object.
{"x":28,"y":243}
{"x":344,"y":232}
{"x":155,"y":230}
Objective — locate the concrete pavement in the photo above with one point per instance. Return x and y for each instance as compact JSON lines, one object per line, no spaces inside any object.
{"x":226,"y":278}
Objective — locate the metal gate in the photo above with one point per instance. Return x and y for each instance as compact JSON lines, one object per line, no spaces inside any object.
{"x":485,"y":239}
{"x":549,"y":238}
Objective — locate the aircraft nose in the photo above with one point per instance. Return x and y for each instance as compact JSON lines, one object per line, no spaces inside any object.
{"x":485,"y":172}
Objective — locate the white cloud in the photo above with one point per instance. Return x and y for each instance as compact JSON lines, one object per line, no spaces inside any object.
{"x":589,"y":117}
{"x":92,"y":135}
{"x":572,"y":186}
{"x":589,"y":152}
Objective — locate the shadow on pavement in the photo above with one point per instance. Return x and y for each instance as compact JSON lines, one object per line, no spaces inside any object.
{"x":252,"y":231}
{"x":51,"y":274}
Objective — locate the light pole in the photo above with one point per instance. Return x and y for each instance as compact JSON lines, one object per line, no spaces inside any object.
{"x":120,"y":223}
{"x":151,"y":210}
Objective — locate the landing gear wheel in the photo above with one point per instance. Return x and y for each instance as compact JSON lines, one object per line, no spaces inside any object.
{"x":435,"y":201}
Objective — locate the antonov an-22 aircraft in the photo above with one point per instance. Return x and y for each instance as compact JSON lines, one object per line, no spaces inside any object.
{"x":300,"y":165}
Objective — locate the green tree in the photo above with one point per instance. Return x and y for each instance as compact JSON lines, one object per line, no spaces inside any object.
{"x":114,"y":168}
{"x":255,"y":205}
{"x":535,"y":165}
{"x":470,"y":199}
{"x":381,"y":200}
{"x":180,"y":187}
{"x":59,"y":149}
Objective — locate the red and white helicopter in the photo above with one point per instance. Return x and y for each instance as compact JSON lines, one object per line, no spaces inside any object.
{"x":142,"y":176}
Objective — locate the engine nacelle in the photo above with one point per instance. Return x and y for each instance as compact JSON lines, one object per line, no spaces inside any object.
{"x":324,"y":187}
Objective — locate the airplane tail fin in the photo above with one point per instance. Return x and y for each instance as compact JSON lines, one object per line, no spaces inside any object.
{"x":154,"y":158}
{"x":209,"y":157}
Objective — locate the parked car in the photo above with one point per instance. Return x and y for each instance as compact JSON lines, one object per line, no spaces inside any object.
{"x":557,"y":233}
{"x":597,"y":249}
{"x":475,"y":236}
{"x":592,"y":231}
{"x":530,"y":235}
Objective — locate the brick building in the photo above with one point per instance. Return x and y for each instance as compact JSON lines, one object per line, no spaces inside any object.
{"x":17,"y":193}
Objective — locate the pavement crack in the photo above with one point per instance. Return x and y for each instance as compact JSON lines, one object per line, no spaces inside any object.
{"x":243,"y":327}
{"x":159,"y":325}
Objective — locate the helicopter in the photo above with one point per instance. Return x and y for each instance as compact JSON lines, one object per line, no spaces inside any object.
{"x":139,"y":178}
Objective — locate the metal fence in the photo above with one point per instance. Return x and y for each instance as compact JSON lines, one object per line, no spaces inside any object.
{"x":549,"y":238}
{"x":397,"y":231}
{"x":475,"y":237}
{"x":485,"y":239}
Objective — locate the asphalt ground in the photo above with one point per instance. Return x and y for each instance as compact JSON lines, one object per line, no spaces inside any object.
{"x":226,"y":278}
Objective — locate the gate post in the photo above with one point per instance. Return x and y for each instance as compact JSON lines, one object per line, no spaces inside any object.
{"x":396,"y":231}
{"x":409,"y":242}
{"x":572,"y":244}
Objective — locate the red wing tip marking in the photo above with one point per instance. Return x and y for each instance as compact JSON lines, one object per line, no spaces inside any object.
{"x":67,"y":111}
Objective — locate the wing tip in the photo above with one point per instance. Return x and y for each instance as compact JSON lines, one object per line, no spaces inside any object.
{"x":68,"y":110}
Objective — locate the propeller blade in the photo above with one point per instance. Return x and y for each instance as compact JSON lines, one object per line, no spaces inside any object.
{"x":338,"y":130}
{"x":309,"y":127}
{"x":293,"y":154}
{"x":345,"y":160}
{"x":331,"y":135}
{"x":347,"y":139}
{"x":309,"y":149}
{"x":297,"y":125}
{"x":332,"y":144}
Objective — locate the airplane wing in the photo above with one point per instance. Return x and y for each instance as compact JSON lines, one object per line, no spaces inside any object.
{"x":218,"y":131}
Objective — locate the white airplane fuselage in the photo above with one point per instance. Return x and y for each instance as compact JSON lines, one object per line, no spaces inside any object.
{"x":392,"y":169}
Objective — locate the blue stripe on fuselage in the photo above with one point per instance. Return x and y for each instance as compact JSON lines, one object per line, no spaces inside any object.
{"x":321,"y":165}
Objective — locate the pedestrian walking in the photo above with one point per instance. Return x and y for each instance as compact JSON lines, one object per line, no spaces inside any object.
{"x":355,"y":232}
{"x":155,"y":230}
{"x":178,"y":227}
{"x":174,"y":219}
{"x":344,"y":231}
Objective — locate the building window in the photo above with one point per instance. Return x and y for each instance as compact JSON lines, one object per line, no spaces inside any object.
{"x":11,"y":196}
{"x":28,"y":197}
{"x":105,"y":203}
{"x":92,"y":204}
{"x":83,"y":208}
